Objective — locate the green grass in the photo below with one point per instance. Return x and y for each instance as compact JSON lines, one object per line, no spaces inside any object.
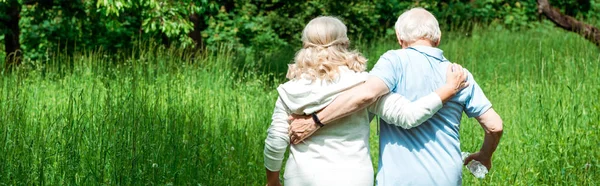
{"x":156,"y":116}
{"x":544,"y":85}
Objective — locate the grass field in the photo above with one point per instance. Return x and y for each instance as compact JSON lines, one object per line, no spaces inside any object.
{"x":156,"y":116}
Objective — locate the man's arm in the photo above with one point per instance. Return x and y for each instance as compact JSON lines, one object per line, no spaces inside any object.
{"x":492,"y":124}
{"x":350,"y":101}
{"x":354,"y":100}
{"x":363,"y":95}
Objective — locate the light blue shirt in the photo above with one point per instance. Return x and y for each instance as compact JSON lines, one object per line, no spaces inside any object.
{"x":430,"y":153}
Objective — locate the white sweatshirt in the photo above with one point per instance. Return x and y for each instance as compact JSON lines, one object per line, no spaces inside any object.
{"x":337,"y":154}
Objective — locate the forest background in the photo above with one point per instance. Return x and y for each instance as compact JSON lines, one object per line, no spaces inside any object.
{"x":38,"y":27}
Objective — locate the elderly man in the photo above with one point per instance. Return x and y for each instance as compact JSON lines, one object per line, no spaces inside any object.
{"x":430,"y":153}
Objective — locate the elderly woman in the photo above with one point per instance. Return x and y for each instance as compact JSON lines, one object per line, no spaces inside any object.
{"x":339,"y":153}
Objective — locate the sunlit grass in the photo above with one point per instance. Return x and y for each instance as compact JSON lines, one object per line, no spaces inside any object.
{"x":159,"y":116}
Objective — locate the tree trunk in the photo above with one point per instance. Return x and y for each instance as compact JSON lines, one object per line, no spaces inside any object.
{"x":12,"y":45}
{"x":569,"y":23}
{"x":165,"y":39}
{"x":196,"y":34}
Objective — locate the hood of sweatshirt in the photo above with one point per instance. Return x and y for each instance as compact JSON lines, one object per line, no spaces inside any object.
{"x":303,"y":96}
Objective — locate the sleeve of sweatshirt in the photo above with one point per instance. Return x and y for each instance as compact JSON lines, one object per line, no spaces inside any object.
{"x":277,"y":137}
{"x":396,"y":109}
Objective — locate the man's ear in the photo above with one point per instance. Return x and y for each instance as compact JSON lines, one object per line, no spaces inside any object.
{"x":399,"y":40}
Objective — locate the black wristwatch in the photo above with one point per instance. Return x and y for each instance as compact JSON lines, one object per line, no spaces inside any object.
{"x":316,"y":119}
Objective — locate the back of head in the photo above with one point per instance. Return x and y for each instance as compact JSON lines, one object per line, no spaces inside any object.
{"x":416,"y":24}
{"x":323,"y":31}
{"x":324,"y":49}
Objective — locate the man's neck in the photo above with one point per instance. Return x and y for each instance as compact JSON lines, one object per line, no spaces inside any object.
{"x":420,"y":42}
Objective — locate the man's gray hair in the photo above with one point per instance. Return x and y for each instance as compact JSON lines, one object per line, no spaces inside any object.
{"x":418,"y":23}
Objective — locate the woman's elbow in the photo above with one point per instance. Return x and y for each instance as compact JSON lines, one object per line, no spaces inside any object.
{"x":274,"y":145}
{"x":406,"y":122}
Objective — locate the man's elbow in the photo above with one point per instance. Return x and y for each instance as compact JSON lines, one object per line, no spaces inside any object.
{"x":491,"y":122}
{"x":496,"y":128}
{"x":370,"y":91}
{"x":366,"y":98}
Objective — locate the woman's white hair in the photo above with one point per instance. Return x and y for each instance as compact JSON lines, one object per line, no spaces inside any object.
{"x":324,"y":50}
{"x":417,"y":23}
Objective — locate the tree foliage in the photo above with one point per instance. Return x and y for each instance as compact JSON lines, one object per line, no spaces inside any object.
{"x":249,"y":25}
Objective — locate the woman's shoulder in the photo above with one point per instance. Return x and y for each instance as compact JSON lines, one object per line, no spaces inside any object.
{"x":346,"y":74}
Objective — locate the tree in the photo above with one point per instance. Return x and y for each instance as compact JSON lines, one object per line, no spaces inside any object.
{"x":569,"y":23}
{"x":10,"y":21}
{"x":99,"y":24}
{"x":254,"y":27}
{"x":179,"y":21}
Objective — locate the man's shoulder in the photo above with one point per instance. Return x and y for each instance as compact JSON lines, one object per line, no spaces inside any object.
{"x":394,"y":56}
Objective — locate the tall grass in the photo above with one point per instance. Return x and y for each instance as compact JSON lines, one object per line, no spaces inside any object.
{"x":162,"y":116}
{"x":544,"y":84}
{"x":158,"y":118}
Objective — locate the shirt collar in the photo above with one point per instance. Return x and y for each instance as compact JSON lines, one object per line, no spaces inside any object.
{"x":435,"y":52}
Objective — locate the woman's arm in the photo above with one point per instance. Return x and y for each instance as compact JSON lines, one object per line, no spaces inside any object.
{"x":277,"y":142}
{"x":273,"y":178}
{"x":396,"y":109}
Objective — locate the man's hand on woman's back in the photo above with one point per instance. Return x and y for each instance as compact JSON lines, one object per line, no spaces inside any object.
{"x":303,"y":127}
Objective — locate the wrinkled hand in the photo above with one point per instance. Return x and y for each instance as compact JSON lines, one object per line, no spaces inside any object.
{"x":456,"y":77}
{"x":485,"y":160}
{"x":301,"y":127}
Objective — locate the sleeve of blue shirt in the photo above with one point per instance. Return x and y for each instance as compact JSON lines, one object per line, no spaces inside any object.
{"x":476,"y":103}
{"x":386,"y":68}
